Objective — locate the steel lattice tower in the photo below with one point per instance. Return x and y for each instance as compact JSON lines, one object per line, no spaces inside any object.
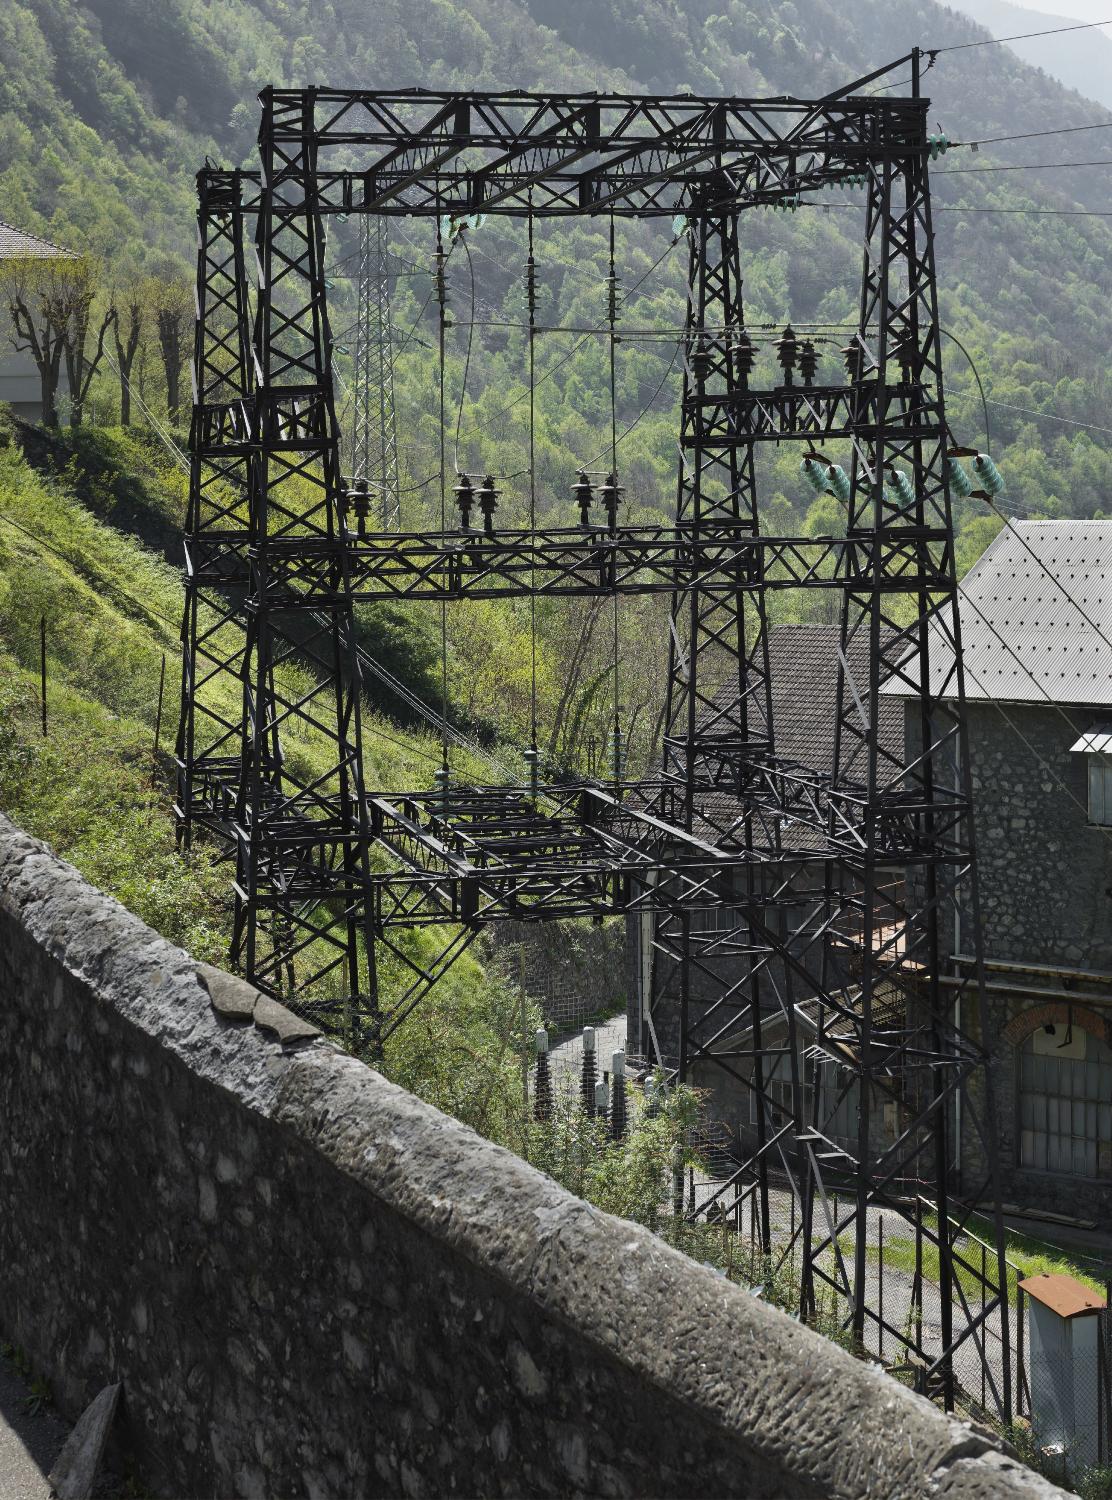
{"x":777,"y":929}
{"x":374,"y":426}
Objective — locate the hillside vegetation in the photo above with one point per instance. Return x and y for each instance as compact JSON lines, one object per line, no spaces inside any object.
{"x":107,"y":110}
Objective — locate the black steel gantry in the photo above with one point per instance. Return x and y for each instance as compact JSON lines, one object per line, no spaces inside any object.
{"x":814,"y":951}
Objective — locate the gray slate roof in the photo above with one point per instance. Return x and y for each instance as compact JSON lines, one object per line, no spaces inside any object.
{"x":1036,"y":617}
{"x":804,"y":665}
{"x":803,"y":661}
{"x":17,"y":242}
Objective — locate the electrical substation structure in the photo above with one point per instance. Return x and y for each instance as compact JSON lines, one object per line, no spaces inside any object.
{"x":332,"y":875}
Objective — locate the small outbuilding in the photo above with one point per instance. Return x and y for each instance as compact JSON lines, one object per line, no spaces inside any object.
{"x":20,"y":386}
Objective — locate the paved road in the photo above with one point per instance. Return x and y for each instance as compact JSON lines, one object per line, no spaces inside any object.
{"x":897,"y":1292}
{"x":29,"y":1441}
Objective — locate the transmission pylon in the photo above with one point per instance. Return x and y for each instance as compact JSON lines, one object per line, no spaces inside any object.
{"x":798,"y":912}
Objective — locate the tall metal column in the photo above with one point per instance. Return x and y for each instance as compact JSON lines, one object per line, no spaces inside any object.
{"x":303,"y":835}
{"x":719,"y":708}
{"x":210,"y":728}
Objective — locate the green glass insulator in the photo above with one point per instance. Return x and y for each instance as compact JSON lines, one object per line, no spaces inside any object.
{"x":814,"y":473}
{"x":837,"y":482}
{"x":990,"y":476}
{"x":960,"y":482}
{"x":902,"y":487}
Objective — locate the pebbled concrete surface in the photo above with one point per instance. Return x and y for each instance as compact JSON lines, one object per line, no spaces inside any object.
{"x":29,"y":1443}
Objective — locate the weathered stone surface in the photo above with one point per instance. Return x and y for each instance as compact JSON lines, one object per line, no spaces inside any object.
{"x":75,"y":1472}
{"x":233,"y":997}
{"x":313,"y":1284}
{"x":286,"y":1026}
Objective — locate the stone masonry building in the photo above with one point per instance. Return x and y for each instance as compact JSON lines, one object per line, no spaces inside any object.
{"x":1036,"y":620}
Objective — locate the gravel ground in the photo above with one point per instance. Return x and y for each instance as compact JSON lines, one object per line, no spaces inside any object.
{"x":30,"y":1440}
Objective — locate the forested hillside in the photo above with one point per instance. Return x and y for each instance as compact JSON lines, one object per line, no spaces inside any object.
{"x":107,"y":109}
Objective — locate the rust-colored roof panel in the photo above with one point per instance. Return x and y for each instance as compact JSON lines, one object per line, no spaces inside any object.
{"x":1063,"y":1295}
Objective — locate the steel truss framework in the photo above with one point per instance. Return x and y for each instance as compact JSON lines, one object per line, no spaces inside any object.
{"x":778,"y":930}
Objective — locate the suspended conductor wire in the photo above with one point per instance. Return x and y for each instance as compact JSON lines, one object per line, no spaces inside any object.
{"x":467,"y":357}
{"x":1049,"y":416}
{"x":442,"y":298}
{"x":1023,"y":166}
{"x":977,"y":377}
{"x":1052,"y":702}
{"x":1023,"y":36}
{"x":1032,"y":135}
{"x":587,"y":336}
{"x":612,"y":320}
{"x":144,"y":608}
{"x":1009,"y":526}
{"x":641,"y":415}
{"x":531,"y":295}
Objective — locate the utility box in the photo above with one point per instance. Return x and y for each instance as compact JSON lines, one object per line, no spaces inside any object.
{"x":1064,"y":1367}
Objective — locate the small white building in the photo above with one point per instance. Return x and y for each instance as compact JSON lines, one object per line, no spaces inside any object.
{"x":20,"y":386}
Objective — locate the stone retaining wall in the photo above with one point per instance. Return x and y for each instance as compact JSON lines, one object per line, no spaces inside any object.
{"x":312,"y":1284}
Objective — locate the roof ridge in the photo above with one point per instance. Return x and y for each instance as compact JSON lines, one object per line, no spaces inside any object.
{"x":41,"y":238}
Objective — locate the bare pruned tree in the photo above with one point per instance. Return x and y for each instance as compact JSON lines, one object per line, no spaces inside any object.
{"x":79,"y":288}
{"x":49,"y":301}
{"x":129,"y":317}
{"x":31,"y":290}
{"x":172,"y":302}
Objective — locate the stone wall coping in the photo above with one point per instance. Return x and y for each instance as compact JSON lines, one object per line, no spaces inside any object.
{"x":842,"y":1427}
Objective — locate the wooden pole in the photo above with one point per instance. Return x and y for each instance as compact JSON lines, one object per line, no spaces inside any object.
{"x":158,"y":715}
{"x":42,"y":669}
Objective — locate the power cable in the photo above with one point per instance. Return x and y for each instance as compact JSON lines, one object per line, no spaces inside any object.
{"x":531,"y":294}
{"x":144,"y":608}
{"x":467,"y":360}
{"x":642,"y":414}
{"x":1047,"y":213}
{"x":1032,"y":166}
{"x":1054,"y":704}
{"x":1050,"y":416}
{"x":1031,"y":135}
{"x":977,"y":377}
{"x":996,"y":41}
{"x":1008,"y":526}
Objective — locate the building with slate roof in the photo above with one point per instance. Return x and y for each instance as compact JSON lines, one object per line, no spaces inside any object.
{"x":1036,"y":623}
{"x":19,"y":378}
{"x":1036,"y":626}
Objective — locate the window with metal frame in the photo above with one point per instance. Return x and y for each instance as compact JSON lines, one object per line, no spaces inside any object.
{"x":1100,"y":790}
{"x":1096,"y":746}
{"x":1065,"y":1102}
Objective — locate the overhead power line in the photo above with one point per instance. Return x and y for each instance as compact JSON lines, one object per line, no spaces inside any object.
{"x":1049,"y":416}
{"x":1046,"y":213}
{"x":1029,"y":166}
{"x":1031,"y":135}
{"x":1023,"y":36}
